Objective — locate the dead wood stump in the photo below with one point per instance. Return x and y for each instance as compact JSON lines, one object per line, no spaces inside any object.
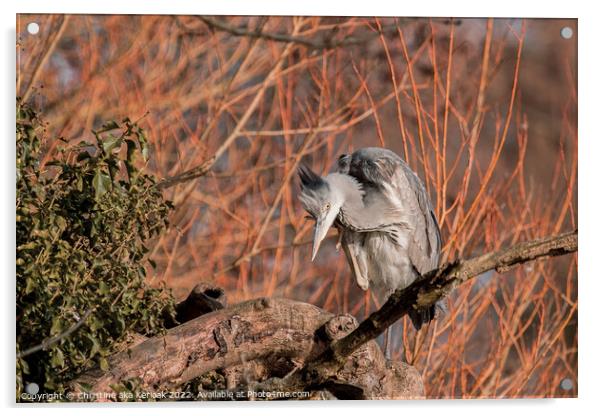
{"x":249,"y":343}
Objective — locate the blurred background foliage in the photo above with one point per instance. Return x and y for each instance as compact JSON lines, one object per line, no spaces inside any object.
{"x":83,"y":221}
{"x":484,"y":110}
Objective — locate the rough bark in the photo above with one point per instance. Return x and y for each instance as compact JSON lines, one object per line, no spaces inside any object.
{"x":254,"y":341}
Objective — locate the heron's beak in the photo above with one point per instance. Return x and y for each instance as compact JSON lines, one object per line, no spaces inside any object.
{"x":320,"y":231}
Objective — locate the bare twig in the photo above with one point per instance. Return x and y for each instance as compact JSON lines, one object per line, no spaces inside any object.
{"x":48,"y":342}
{"x":325,"y":43}
{"x":422,"y":293}
{"x":204,"y":167}
{"x":44,"y":58}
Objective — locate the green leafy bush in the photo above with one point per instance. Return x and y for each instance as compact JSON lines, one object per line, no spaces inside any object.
{"x":82,"y":220}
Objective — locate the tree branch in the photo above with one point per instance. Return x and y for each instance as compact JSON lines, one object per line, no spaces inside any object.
{"x":44,"y":345}
{"x":267,"y":330}
{"x":204,"y":167}
{"x":422,"y":293}
{"x":247,"y":343}
{"x":48,"y":50}
{"x":325,"y":43}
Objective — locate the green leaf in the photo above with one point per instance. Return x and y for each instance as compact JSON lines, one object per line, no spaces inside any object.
{"x":95,"y":346}
{"x":85,"y":386}
{"x":103,"y":288}
{"x":121,"y":323}
{"x":104,"y":364}
{"x":28,"y":246}
{"x":94,"y":324}
{"x":111,"y":125}
{"x":145,"y":151}
{"x":101,"y":184}
{"x":58,"y":359}
{"x":61,"y":223}
{"x":31,"y":285}
{"x":57,"y":325}
{"x":81,"y":238}
{"x":111,"y":143}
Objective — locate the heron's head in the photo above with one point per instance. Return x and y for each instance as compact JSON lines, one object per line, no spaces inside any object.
{"x":322,"y":201}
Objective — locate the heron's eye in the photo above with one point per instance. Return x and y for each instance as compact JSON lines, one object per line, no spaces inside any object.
{"x":327,"y":206}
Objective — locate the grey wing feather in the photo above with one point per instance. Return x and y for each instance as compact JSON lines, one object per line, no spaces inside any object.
{"x":426,"y":247}
{"x":383,"y":169}
{"x":374,"y":166}
{"x":342,"y":164}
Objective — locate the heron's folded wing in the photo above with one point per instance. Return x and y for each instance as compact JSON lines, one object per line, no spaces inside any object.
{"x":425,"y":245}
{"x":399,"y":196}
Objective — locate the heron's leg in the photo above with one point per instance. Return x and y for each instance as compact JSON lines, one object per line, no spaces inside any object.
{"x":388,"y":342}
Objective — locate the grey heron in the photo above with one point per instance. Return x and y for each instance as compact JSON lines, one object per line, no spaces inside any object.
{"x":386,"y":223}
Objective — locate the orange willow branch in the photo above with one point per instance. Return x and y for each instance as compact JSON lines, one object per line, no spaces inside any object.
{"x":422,"y":293}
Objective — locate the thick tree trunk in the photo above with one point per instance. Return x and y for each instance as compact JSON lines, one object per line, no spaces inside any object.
{"x":252,"y":342}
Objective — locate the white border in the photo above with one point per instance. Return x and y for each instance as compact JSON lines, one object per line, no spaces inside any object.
{"x":512,"y":8}
{"x":590,"y":152}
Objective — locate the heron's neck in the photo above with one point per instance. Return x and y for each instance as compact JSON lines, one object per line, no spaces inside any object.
{"x":353,"y":213}
{"x":352,"y":192}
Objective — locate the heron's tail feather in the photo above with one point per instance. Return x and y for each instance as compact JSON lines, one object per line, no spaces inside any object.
{"x":423,"y":316}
